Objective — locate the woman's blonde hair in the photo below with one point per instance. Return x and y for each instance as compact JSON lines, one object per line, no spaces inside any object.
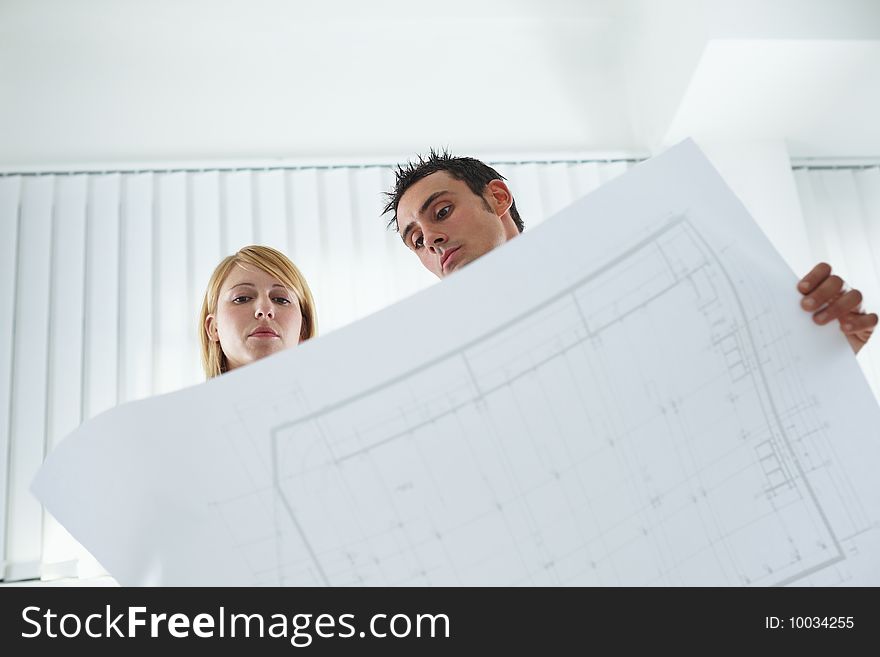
{"x":277,"y":265}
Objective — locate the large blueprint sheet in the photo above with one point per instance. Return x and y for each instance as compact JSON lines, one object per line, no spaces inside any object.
{"x":628,"y":394}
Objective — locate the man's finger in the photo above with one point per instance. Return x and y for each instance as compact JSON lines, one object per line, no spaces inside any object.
{"x":826,"y":293}
{"x":856,"y":323}
{"x":812,"y":280}
{"x":847,"y":303}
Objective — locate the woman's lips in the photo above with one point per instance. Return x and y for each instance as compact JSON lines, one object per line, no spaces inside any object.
{"x":263,"y":333}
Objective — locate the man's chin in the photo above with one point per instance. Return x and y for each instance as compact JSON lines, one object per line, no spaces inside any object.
{"x":458,"y":264}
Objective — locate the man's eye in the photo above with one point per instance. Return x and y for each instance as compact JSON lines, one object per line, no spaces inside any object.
{"x":419,"y":242}
{"x":241,"y":299}
{"x":443,"y":212}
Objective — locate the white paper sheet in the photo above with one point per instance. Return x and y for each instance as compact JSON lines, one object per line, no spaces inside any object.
{"x":627,"y":395}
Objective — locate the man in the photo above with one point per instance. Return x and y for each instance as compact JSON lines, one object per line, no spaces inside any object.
{"x":451,"y":210}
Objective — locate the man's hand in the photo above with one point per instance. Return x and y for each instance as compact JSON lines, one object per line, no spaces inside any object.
{"x":827,"y":297}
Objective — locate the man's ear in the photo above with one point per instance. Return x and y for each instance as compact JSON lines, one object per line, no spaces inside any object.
{"x":211,"y":329}
{"x":500,"y":197}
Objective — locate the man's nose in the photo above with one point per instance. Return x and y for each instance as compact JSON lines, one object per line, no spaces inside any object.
{"x":435,"y":241}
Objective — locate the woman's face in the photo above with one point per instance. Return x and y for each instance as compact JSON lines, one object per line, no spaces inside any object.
{"x":256,"y":316}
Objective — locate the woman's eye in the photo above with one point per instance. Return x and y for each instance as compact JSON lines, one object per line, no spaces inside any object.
{"x":443,"y":212}
{"x":282,"y":301}
{"x":241,"y":299}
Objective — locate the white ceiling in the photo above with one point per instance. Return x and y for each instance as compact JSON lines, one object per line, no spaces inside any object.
{"x":823,"y":96}
{"x":109,"y":81}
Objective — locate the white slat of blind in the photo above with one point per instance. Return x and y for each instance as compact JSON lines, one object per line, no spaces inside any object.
{"x":868,"y":189}
{"x":206,"y":245}
{"x":29,"y":375}
{"x":207,"y":234}
{"x":9,"y":202}
{"x":610,"y":170}
{"x":173,"y":330}
{"x":304,"y":246}
{"x":812,"y":212}
{"x":375,"y":280}
{"x":819,"y":220}
{"x":269,"y":210}
{"x":339,"y":235}
{"x":66,"y":335}
{"x":237,"y":198}
{"x":524,"y":182}
{"x":585,"y":178}
{"x":190,"y":369}
{"x":136,"y":288}
{"x":556,"y":187}
{"x":399,"y":259}
{"x":101,"y":352}
{"x":853,"y":238}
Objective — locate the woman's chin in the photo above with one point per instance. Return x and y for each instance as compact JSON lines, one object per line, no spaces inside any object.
{"x":267,"y":348}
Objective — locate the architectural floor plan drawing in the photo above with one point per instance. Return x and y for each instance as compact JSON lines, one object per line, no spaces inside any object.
{"x":629,"y":395}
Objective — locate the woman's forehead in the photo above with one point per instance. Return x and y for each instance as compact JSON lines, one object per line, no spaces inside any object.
{"x":243,"y":273}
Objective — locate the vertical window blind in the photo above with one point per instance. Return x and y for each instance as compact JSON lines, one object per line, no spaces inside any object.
{"x":103,"y":275}
{"x":841,"y":210}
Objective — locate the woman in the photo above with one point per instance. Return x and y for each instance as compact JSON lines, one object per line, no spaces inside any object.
{"x":257,"y":303}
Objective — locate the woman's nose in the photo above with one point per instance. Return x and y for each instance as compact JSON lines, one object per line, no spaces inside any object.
{"x":264,"y":310}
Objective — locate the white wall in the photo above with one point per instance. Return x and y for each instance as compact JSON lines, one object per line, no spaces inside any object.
{"x":109,"y":81}
{"x":760,"y":174}
{"x":102,"y":81}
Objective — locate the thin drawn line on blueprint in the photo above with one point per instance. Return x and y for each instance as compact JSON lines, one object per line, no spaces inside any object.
{"x":782,"y":432}
{"x":460,"y":352}
{"x":293,"y":518}
{"x":673,"y":223}
{"x":482,"y":392}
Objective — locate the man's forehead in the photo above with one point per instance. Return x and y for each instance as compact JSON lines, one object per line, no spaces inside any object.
{"x":412,"y":199}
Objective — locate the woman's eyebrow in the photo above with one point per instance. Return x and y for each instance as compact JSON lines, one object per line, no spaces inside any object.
{"x":283,"y":287}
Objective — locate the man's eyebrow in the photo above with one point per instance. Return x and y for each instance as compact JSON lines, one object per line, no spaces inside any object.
{"x":407,"y":230}
{"x":430,"y":200}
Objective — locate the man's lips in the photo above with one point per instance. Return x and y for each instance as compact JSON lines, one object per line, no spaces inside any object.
{"x":446,"y":257}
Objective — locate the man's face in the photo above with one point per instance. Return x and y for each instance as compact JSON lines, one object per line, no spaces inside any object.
{"x":443,"y":222}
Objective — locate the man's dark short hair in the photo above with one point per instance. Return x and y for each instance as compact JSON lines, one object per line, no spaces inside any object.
{"x":474,"y":173}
